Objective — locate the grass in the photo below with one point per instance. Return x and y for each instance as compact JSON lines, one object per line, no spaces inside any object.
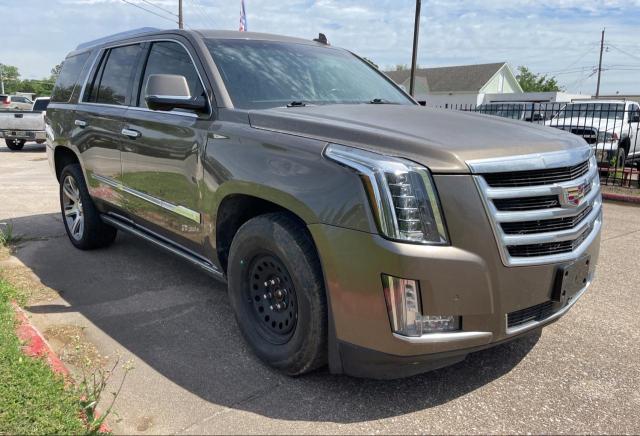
{"x":33,"y":399}
{"x":6,"y":234}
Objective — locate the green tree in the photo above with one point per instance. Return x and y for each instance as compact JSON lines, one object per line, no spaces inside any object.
{"x":55,"y":72}
{"x":13,"y":83}
{"x":531,"y":82}
{"x":9,"y":75}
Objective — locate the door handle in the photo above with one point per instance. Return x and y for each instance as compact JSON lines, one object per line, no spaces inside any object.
{"x":80,"y":123}
{"x":131,"y":133}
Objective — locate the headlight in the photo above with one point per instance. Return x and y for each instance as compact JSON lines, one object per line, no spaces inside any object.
{"x":402,"y":194}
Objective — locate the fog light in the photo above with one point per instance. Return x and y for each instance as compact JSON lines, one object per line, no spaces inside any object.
{"x":405,"y":311}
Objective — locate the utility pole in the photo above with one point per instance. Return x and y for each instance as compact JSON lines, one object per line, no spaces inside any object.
{"x":180,"y":17}
{"x":600,"y":64}
{"x":1,"y":79}
{"x":414,"y":58}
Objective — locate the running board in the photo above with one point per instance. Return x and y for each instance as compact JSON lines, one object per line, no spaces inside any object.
{"x":168,"y":246}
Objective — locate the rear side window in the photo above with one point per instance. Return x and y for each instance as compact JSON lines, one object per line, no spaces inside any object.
{"x":4,"y":98}
{"x":170,"y":58}
{"x":68,"y":78}
{"x":40,"y":105}
{"x":114,"y":77}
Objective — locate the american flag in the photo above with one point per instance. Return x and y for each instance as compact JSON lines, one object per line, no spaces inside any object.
{"x":243,"y":17}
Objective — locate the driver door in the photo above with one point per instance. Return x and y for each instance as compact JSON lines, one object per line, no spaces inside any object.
{"x":162,"y":150}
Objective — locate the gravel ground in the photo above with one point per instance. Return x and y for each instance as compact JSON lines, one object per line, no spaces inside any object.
{"x":194,"y":374}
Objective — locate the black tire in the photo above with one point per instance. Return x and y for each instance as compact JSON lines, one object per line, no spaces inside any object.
{"x":94,"y":232}
{"x":15,"y":144}
{"x":283,"y":248}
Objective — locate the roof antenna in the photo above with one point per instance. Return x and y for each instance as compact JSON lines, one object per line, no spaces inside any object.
{"x":322,"y":39}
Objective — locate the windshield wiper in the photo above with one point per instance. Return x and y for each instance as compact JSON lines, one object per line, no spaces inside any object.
{"x":297,"y":103}
{"x":381,"y":101}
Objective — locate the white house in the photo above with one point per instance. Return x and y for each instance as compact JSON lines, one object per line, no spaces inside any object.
{"x":459,"y":85}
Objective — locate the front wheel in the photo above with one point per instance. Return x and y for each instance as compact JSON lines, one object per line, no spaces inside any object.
{"x":82,"y":221}
{"x":15,"y":144}
{"x":276,"y":289}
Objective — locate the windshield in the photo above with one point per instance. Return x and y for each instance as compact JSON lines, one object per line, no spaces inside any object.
{"x":612,"y":111}
{"x":266,"y":74}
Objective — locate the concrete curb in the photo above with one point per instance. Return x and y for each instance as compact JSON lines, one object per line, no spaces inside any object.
{"x":621,"y":197}
{"x":35,"y":345}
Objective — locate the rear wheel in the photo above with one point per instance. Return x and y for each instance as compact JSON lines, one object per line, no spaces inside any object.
{"x":81,"y":219}
{"x":15,"y":144}
{"x":277,"y":292}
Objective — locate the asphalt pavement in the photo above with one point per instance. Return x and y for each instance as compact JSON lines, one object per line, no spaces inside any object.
{"x":194,"y":374}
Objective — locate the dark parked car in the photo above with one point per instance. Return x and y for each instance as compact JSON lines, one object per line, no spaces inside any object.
{"x":354,"y":228}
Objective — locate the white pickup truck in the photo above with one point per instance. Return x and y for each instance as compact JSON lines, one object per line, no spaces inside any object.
{"x":610,"y":126}
{"x":17,"y":127}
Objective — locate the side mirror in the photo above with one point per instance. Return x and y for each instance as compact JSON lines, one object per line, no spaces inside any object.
{"x":165,"y":92}
{"x":635,"y":118}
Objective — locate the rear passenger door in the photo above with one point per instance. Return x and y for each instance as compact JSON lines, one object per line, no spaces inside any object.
{"x":99,"y":121}
{"x":161,"y":159}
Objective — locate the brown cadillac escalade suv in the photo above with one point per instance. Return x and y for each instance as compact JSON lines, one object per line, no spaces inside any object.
{"x":353,"y":227}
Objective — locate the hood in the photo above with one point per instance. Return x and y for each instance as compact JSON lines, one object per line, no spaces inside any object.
{"x":600,"y":124}
{"x":442,"y":140}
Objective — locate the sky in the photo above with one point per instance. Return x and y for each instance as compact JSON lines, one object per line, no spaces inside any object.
{"x":558,"y":37}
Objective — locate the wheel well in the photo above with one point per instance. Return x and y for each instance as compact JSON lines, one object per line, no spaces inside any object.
{"x":233,"y":212}
{"x":62,"y":157}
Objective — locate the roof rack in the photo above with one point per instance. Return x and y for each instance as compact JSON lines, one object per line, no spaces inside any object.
{"x":117,"y":36}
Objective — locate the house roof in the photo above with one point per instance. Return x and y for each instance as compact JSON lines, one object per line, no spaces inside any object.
{"x":461,"y":78}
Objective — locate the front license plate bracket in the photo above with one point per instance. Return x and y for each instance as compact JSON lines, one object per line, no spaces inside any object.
{"x":570,"y":279}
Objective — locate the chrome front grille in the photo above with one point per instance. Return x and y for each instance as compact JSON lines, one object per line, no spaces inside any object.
{"x":544,"y":208}
{"x":536,"y":177}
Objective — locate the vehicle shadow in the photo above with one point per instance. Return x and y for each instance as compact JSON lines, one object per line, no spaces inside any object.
{"x":29,"y":147}
{"x":178,"y":320}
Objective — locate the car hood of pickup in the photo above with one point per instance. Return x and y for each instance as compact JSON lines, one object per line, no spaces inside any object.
{"x":442,"y":140}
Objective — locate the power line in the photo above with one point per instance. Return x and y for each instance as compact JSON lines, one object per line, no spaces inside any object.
{"x":623,"y":51}
{"x":160,"y":7}
{"x":203,"y":11}
{"x":147,"y":10}
{"x":199,"y":12}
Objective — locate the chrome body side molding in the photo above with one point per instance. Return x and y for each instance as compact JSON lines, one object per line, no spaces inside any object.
{"x":177,"y":209}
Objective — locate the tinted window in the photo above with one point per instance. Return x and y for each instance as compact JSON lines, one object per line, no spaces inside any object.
{"x":170,"y":58}
{"x":263,"y":74}
{"x":40,"y":105}
{"x":68,"y":78}
{"x":116,"y":75}
{"x":593,"y":110}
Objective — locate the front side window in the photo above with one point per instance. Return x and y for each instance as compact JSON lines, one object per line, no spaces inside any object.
{"x":170,"y":58}
{"x":114,"y":77}
{"x":266,"y":74}
{"x":68,"y":78}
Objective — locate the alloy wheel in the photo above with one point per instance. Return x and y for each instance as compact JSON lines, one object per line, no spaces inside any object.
{"x":72,"y":208}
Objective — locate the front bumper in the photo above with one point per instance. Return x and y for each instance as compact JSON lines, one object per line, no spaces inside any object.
{"x":466,"y":279}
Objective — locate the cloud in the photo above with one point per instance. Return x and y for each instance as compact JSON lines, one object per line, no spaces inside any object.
{"x":556,"y":36}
